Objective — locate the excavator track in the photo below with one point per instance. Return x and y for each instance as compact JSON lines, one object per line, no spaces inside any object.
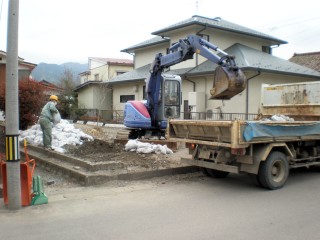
{"x":123,"y":134}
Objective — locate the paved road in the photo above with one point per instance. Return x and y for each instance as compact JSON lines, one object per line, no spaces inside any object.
{"x":194,"y":207}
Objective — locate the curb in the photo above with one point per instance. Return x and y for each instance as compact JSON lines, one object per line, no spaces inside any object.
{"x":86,"y":174}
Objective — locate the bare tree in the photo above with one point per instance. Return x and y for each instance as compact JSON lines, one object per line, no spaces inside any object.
{"x":69,"y":99}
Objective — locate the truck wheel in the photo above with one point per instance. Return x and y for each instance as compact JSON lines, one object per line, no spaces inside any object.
{"x":274,"y":171}
{"x":217,"y":173}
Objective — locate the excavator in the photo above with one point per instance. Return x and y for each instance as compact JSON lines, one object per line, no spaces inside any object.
{"x":148,"y":118}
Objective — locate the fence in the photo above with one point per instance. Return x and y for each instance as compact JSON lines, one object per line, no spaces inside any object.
{"x":116,"y":116}
{"x":105,"y":116}
{"x":218,"y":116}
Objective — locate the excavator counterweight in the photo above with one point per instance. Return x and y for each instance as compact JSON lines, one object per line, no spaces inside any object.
{"x":227,"y":83}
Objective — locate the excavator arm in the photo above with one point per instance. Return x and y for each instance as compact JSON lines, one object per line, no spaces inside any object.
{"x":229,"y":80}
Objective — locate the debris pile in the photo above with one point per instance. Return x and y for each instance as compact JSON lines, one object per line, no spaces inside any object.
{"x":63,"y":133}
{"x":142,"y":147}
{"x":279,"y":118}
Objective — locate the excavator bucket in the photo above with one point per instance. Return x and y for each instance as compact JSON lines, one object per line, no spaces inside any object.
{"x":227,"y":83}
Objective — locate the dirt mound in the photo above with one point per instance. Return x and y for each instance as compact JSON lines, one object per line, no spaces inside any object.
{"x":100,"y":151}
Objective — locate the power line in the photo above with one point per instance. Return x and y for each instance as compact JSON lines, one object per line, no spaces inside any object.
{"x":288,"y":24}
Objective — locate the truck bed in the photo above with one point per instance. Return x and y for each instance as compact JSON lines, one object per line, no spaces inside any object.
{"x":241,"y":133}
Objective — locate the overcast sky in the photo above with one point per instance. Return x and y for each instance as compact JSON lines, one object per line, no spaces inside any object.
{"x":59,"y":31}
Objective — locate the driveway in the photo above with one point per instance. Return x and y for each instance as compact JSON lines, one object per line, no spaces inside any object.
{"x":189,"y":206}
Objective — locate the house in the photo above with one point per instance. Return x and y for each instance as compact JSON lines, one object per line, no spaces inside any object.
{"x":24,"y":71}
{"x":310,"y":60}
{"x":50,"y":89}
{"x":103,"y":69}
{"x":24,"y":68}
{"x":94,"y":93}
{"x":253,"y":52}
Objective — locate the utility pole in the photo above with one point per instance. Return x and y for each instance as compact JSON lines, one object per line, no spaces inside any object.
{"x":12,"y":109}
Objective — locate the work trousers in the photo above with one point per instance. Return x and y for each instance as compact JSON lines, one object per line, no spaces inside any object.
{"x":46,"y":127}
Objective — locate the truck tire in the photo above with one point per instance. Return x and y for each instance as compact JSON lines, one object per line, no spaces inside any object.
{"x":274,"y":171}
{"x":217,"y":173}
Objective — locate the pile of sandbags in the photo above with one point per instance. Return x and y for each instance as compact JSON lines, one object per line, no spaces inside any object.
{"x":63,"y":133}
{"x":143,"y":147}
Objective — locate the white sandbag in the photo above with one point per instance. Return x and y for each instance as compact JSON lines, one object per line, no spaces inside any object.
{"x":145,"y":150}
{"x":131,"y":145}
{"x":56,"y":118}
{"x":169,"y":151}
{"x":143,"y":147}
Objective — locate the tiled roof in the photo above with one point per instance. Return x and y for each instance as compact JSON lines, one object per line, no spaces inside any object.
{"x":246,"y":58}
{"x":310,"y":60}
{"x":83,"y":85}
{"x":252,"y":59}
{"x":142,"y":73}
{"x":117,"y":61}
{"x":217,"y":23}
{"x":137,"y":74}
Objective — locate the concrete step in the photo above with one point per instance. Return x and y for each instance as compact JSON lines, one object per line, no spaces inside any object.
{"x":87,"y":173}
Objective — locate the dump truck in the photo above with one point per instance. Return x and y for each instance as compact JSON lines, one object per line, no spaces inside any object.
{"x":286,"y":135}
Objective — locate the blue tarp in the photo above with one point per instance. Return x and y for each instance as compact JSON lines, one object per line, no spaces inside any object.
{"x":256,"y":130}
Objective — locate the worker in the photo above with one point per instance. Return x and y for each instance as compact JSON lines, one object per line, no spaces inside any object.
{"x":46,"y":121}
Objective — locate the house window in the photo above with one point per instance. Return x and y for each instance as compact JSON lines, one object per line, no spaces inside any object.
{"x":96,"y":77}
{"x":125,"y":98}
{"x":267,"y":49}
{"x":120,"y":72}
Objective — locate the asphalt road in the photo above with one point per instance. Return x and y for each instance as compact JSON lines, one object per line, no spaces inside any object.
{"x":188,"y":207}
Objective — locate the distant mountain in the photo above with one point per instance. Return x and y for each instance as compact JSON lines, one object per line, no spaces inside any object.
{"x":53,"y":72}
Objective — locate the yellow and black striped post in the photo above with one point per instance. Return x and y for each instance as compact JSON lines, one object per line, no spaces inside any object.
{"x":12,"y":148}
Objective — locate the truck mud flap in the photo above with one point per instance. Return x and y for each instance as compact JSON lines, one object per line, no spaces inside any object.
{"x":211,"y":165}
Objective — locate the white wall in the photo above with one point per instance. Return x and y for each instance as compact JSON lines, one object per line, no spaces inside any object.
{"x":135,"y":89}
{"x":147,"y":55}
{"x":85,"y":99}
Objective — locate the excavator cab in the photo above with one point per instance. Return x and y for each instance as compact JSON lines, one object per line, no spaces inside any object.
{"x":228,"y":82}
